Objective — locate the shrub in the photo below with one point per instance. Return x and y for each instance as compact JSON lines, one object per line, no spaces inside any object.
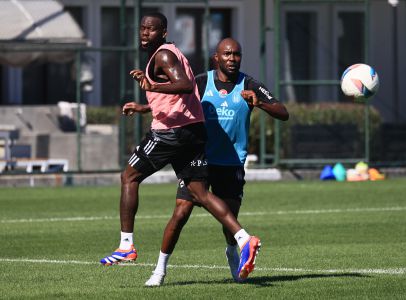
{"x":103,"y":114}
{"x":311,"y":114}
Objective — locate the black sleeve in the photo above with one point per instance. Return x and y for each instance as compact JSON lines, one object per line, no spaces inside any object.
{"x":201,"y":81}
{"x":260,"y":90}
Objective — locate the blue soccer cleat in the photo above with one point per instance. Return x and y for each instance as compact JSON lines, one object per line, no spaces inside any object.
{"x":248,"y":254}
{"x":120,"y":255}
{"x":233,"y":260}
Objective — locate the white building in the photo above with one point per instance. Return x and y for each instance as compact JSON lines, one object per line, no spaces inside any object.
{"x":318,"y":41}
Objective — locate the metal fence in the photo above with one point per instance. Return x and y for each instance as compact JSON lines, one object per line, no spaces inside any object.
{"x":276,"y":144}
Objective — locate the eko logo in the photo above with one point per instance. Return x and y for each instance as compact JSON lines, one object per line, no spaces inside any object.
{"x":225,"y":113}
{"x":220,"y":113}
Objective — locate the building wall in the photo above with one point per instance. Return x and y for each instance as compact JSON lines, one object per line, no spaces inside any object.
{"x":246,"y":29}
{"x":245,"y":23}
{"x":382,"y":57}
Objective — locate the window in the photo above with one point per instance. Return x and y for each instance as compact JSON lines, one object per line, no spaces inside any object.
{"x":48,"y":83}
{"x":190,"y":35}
{"x":318,"y":43}
{"x":300,"y":53}
{"x":350,"y":42}
{"x":2,"y":89}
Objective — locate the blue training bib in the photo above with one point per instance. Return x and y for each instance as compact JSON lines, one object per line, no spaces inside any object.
{"x":227,"y":122}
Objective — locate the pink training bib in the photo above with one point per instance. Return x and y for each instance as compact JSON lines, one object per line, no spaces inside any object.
{"x":174,"y":110}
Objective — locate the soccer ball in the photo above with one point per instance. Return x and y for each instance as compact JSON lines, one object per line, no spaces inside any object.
{"x":359,"y":81}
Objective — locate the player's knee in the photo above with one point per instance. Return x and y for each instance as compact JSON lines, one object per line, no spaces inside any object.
{"x":125,"y":178}
{"x":180,"y":219}
{"x":130,"y":175}
{"x":199,"y":195}
{"x":182,"y":213}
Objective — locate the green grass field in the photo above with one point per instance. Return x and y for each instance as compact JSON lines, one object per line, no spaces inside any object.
{"x":320,"y":240}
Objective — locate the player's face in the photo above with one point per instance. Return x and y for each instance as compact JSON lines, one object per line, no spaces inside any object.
{"x":228,"y":57}
{"x":152,"y":35}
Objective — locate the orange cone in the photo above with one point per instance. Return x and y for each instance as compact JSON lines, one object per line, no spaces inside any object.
{"x":375,"y":175}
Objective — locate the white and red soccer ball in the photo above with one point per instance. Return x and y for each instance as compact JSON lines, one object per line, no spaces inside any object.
{"x":359,"y":81}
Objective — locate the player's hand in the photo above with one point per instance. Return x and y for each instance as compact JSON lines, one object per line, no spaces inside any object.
{"x":250,"y":97}
{"x":130,"y":108}
{"x":145,"y":84}
{"x":139,"y":75}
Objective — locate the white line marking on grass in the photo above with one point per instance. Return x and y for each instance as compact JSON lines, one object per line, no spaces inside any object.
{"x":46,"y":261}
{"x":280,"y":212}
{"x":326,"y":211}
{"x":394,"y":271}
{"x":68,"y":219}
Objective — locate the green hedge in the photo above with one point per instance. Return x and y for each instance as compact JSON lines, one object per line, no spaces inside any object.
{"x":103,"y":114}
{"x":311,"y":114}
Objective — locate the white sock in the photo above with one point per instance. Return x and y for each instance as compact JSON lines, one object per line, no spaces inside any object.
{"x":241,"y":237}
{"x":162,"y":263}
{"x":126,"y":240}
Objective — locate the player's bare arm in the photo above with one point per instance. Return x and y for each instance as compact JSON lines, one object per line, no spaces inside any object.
{"x":168,"y":67}
{"x":132,"y":107}
{"x":275,"y":109}
{"x":266,"y":101}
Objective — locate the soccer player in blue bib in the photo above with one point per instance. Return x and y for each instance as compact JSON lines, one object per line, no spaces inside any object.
{"x":228,"y":96}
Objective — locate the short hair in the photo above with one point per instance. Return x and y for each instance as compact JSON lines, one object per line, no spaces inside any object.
{"x":227,"y":39}
{"x":160,"y":16}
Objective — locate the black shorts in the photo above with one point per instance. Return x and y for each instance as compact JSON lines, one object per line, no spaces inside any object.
{"x":226,"y":182}
{"x":182,"y":147}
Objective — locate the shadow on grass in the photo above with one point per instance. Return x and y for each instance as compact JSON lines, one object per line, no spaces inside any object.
{"x":265,"y":281}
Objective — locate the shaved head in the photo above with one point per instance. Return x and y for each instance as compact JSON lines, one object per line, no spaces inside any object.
{"x":227,"y":42}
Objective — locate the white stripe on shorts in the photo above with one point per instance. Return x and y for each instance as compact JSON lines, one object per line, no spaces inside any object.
{"x":134,"y":162}
{"x":132,"y":158}
{"x":149,"y":147}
